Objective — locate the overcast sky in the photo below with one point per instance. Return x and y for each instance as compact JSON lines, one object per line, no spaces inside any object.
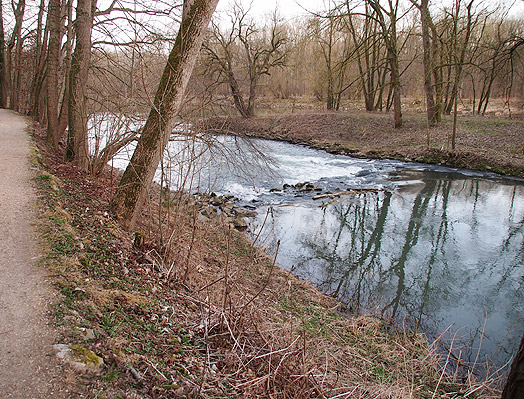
{"x":287,"y":8}
{"x":294,"y":8}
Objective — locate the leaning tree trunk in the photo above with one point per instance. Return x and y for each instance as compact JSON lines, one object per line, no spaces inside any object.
{"x":514,"y":388}
{"x":138,"y":176}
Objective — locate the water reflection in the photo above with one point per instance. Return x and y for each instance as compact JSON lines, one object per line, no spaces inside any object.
{"x":447,"y":251}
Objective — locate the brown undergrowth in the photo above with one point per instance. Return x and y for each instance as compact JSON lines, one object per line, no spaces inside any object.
{"x":198,"y":311}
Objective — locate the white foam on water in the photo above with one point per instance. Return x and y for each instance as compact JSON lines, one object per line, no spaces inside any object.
{"x":242,"y":191}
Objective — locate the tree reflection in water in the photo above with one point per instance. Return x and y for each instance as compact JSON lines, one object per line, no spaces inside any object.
{"x":448,"y":251}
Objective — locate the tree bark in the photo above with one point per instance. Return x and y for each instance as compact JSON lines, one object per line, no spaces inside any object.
{"x":77,"y":146}
{"x":15,"y":43}
{"x":38,"y":64}
{"x":138,"y":176}
{"x":3,"y":67}
{"x":63,"y":116}
{"x":514,"y":388}
{"x":53,"y":62}
{"x":428,"y":63}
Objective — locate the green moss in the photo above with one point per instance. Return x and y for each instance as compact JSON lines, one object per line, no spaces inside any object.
{"x":85,"y":356}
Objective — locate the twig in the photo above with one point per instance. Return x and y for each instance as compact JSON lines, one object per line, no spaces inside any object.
{"x":157,"y":370}
{"x":261,"y":227}
{"x":267,"y":281}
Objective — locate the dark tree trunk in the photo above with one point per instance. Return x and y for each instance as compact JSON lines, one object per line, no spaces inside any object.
{"x":397,"y":104}
{"x":38,"y":64}
{"x":3,"y":67}
{"x":428,"y":64}
{"x":15,"y":43}
{"x":238,"y":99}
{"x":138,"y":176}
{"x":53,"y":62}
{"x":514,"y":388}
{"x":77,"y":146}
{"x":63,"y":117}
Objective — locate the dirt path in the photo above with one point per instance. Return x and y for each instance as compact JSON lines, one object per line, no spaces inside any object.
{"x":27,"y":364}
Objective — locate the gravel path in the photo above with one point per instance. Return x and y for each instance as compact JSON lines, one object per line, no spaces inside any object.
{"x":27,"y":364}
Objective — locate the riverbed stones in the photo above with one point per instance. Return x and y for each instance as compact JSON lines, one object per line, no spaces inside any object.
{"x":208,"y":211}
{"x":217,"y":201}
{"x":244,"y":213}
{"x":240,"y":224}
{"x":227,"y":208}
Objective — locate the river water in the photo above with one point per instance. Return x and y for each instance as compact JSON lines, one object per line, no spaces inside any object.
{"x":437,"y":249}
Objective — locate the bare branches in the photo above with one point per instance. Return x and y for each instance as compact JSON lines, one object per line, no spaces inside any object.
{"x":245,"y":53}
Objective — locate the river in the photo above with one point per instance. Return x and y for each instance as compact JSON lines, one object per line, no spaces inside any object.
{"x":434,"y":248}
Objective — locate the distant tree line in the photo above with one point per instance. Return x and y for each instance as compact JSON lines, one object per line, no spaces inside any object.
{"x":64,"y":60}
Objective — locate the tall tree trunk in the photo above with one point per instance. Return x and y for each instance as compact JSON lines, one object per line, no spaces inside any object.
{"x":250,"y":111}
{"x":53,"y":62}
{"x":515,"y":385}
{"x":395,"y":69}
{"x":329,"y":64}
{"x":77,"y":146}
{"x":37,"y":63}
{"x":64,"y":108}
{"x":459,"y":64}
{"x":428,"y":63}
{"x":15,"y":43}
{"x":4,"y":87}
{"x":397,"y":104}
{"x":437,"y":53}
{"x":138,"y":176}
{"x":238,"y":99}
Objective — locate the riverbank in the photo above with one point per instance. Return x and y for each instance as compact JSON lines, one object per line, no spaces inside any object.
{"x":483,"y":143}
{"x":193,"y":309}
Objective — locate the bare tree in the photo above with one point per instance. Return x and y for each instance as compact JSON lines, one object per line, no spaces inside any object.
{"x":256,"y":50}
{"x":330,"y":34}
{"x":53,"y":63}
{"x":370,"y":57}
{"x":77,"y":146}
{"x":387,"y":19}
{"x":430,"y":50}
{"x":138,"y":176}
{"x":14,"y":55}
{"x":37,"y":93}
{"x":460,"y":55}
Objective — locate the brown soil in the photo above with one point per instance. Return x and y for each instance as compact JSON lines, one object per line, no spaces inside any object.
{"x":27,"y":366}
{"x":483,"y":143}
